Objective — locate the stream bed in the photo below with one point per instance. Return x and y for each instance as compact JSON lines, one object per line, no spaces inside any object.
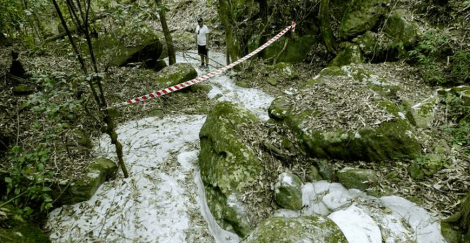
{"x":163,"y":199}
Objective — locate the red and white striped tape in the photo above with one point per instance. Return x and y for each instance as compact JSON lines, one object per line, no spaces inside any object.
{"x":204,"y":77}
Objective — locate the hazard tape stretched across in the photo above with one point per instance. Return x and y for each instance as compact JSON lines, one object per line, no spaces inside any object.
{"x":204,"y":77}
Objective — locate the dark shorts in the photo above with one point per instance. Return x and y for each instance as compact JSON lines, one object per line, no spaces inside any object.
{"x":202,"y":50}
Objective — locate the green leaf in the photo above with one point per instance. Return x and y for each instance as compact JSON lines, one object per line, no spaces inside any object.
{"x":8,"y":180}
{"x":46,"y":189}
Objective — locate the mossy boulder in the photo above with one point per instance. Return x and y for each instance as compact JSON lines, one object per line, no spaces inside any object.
{"x":422,"y":114}
{"x":288,"y":191}
{"x":176,"y":74}
{"x":451,"y":233}
{"x":16,"y":229}
{"x":83,"y":189}
{"x":159,"y":65}
{"x":361,"y":16}
{"x":415,"y":171}
{"x":149,"y":52}
{"x":284,"y":69}
{"x":379,"y":47}
{"x":22,"y":90}
{"x":384,"y":140}
{"x":299,"y":229}
{"x":350,"y":53}
{"x":227,"y":165}
{"x":400,"y":29}
{"x":294,"y":51}
{"x":361,"y":179}
{"x":389,"y":141}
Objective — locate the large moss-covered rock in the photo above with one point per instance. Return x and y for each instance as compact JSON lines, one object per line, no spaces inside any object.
{"x":175,"y":74}
{"x":83,"y":189}
{"x":422,"y":114}
{"x":357,"y":178}
{"x":300,"y":229}
{"x":379,"y":47}
{"x":400,"y":29}
{"x":288,"y":191}
{"x":350,"y":53}
{"x":227,"y":165}
{"x":323,"y":134}
{"x":15,"y":229}
{"x":294,"y":51}
{"x":148,"y":52}
{"x":361,"y":16}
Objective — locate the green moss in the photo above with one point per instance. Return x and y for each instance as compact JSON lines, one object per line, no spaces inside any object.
{"x":450,"y":233}
{"x":333,"y":71}
{"x":361,"y":16}
{"x":293,"y":230}
{"x":19,"y":230}
{"x":176,"y":74}
{"x":350,"y":53}
{"x":389,"y":141}
{"x":400,"y":29}
{"x":227,"y":164}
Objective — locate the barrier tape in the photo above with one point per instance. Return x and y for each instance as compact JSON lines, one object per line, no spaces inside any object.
{"x":204,"y":77}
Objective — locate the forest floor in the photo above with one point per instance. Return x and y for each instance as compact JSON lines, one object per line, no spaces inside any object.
{"x":440,"y":193}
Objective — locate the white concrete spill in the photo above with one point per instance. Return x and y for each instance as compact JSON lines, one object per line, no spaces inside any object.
{"x":164,"y":201}
{"x":224,"y":89}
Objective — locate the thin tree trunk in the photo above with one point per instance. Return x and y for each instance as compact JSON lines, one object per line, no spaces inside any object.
{"x":100,"y":100}
{"x":166,"y":32}
{"x":225,"y":15}
{"x":325,"y":29}
{"x":263,"y":8}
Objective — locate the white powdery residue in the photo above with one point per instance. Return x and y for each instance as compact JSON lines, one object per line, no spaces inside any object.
{"x":234,"y":203}
{"x":149,"y":206}
{"x":357,"y":225}
{"x":286,"y":179}
{"x":220,"y":235}
{"x":426,"y":228}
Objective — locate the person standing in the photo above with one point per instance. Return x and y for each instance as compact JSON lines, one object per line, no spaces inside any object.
{"x":202,"y":40}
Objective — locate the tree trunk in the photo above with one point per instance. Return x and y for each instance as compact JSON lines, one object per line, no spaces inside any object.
{"x":226,"y":17}
{"x":263,"y":8}
{"x":100,"y":99}
{"x":166,"y":32}
{"x":326,"y":32}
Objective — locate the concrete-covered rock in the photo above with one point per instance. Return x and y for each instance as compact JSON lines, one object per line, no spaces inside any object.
{"x":288,"y":191}
{"x":294,"y":51}
{"x":357,"y":225}
{"x":297,"y":229}
{"x":227,"y":165}
{"x":22,"y":90}
{"x":83,"y":189}
{"x":350,"y":53}
{"x":176,"y":74}
{"x":357,"y":178}
{"x":361,"y":16}
{"x":148,"y":52}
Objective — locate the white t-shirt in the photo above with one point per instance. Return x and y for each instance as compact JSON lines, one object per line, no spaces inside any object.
{"x":201,"y":35}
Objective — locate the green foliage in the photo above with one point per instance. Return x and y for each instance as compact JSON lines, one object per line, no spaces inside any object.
{"x":434,"y":52}
{"x":26,"y":184}
{"x":460,"y":116}
{"x":57,"y":103}
{"x":461,"y":66}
